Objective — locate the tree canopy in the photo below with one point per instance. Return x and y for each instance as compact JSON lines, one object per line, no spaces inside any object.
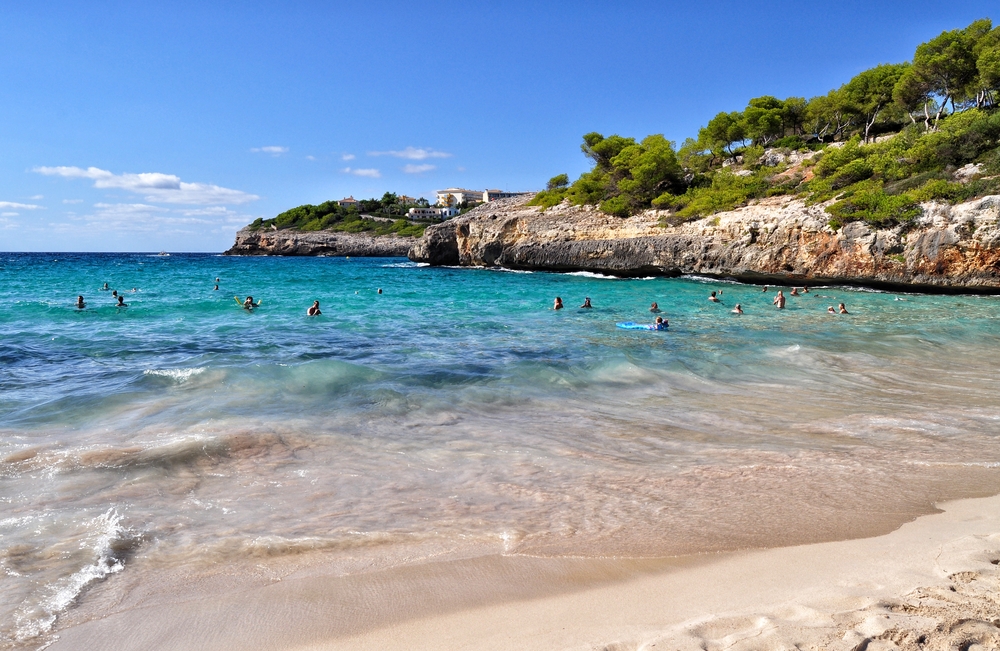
{"x":943,"y":105}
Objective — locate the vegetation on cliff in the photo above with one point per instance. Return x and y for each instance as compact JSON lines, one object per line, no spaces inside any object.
{"x":943,"y":109}
{"x":330,"y":215}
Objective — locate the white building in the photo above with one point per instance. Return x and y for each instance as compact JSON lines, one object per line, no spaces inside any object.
{"x":455,"y":196}
{"x":432,"y":213}
{"x":493,"y":195}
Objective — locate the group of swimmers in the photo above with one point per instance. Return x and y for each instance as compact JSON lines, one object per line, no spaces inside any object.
{"x":115,"y":296}
{"x":716,"y":297}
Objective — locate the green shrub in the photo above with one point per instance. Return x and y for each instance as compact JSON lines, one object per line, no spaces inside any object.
{"x":789,"y":142}
{"x":618,"y":206}
{"x":548,"y":198}
{"x":853,"y":172}
{"x":728,"y":191}
{"x":833,"y":158}
{"x":868,"y":202}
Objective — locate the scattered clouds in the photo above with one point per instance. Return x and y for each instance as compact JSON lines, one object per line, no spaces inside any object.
{"x":37,"y":197}
{"x":371,"y":173}
{"x":162,"y":188}
{"x":11,"y":205}
{"x":418,"y":169}
{"x":274,"y":150}
{"x":144,"y":218}
{"x":72,"y":200}
{"x":348,"y":157}
{"x":412,"y":153}
{"x":310,"y":158}
{"x":9,"y":214}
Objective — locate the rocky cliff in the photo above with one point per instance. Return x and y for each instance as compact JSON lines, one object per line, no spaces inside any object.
{"x":294,"y":242}
{"x":948,"y":248}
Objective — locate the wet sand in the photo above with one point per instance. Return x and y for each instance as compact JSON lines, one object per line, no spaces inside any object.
{"x":931,"y":584}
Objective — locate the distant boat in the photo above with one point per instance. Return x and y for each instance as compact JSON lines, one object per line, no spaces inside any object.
{"x":164,"y":253}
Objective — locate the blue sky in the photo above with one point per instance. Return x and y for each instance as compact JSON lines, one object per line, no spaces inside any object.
{"x":169,"y":125}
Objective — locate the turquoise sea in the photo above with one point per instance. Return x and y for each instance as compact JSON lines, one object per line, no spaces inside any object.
{"x":456,"y":414}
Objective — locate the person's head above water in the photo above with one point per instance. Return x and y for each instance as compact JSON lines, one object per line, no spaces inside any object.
{"x":121,"y":300}
{"x":738,"y":309}
{"x":558,"y":304}
{"x":843,"y":308}
{"x":586,"y":302}
{"x":114,"y":293}
{"x":105,"y":286}
{"x":79,"y":301}
{"x":830,"y":310}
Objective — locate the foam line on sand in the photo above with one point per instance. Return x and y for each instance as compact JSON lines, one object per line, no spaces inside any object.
{"x":931,"y":584}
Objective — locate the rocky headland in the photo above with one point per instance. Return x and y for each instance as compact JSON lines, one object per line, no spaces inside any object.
{"x":776,"y":240}
{"x":289,"y":241}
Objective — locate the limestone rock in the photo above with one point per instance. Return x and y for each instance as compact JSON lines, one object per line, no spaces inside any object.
{"x":780,"y":239}
{"x":295,"y":242}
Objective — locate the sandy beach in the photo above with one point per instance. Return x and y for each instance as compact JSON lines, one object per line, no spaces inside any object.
{"x":931,"y":584}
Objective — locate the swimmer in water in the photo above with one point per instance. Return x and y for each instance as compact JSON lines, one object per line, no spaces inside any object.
{"x":661,"y":323}
{"x":654,"y":308}
{"x":738,"y":309}
{"x":558,"y":304}
{"x":805,"y":290}
{"x":248,"y":304}
{"x":764,"y":291}
{"x":114,"y":294}
{"x":842,"y":309}
{"x":712,"y":297}
{"x":134,"y":290}
{"x":105,"y":288}
{"x":586,"y":303}
{"x":779,"y":300}
{"x":216,"y":288}
{"x":795,"y":291}
{"x":830,"y":310}
{"x":216,"y":279}
{"x":314,"y":310}
{"x":121,"y":302}
{"x":379,"y":290}
{"x":79,"y":302}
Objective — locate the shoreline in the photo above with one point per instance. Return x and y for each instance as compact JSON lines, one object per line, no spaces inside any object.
{"x":832,"y":595}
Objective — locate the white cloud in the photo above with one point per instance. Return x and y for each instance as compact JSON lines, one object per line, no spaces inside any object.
{"x":72,"y":200}
{"x":37,"y":197}
{"x":348,"y":157}
{"x":163,"y":188}
{"x":144,"y":218}
{"x":418,"y":169}
{"x":9,"y":214}
{"x":412,"y":153}
{"x":369,"y":172}
{"x":18,"y":206}
{"x":274,"y":150}
{"x":310,"y":158}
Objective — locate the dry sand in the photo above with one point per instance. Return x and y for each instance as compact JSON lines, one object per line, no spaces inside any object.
{"x":932,"y":584}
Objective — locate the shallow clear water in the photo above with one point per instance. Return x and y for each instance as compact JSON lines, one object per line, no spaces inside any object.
{"x":457,"y":414}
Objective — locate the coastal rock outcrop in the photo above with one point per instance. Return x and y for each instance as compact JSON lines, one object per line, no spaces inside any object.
{"x":780,"y":239}
{"x":294,"y":242}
